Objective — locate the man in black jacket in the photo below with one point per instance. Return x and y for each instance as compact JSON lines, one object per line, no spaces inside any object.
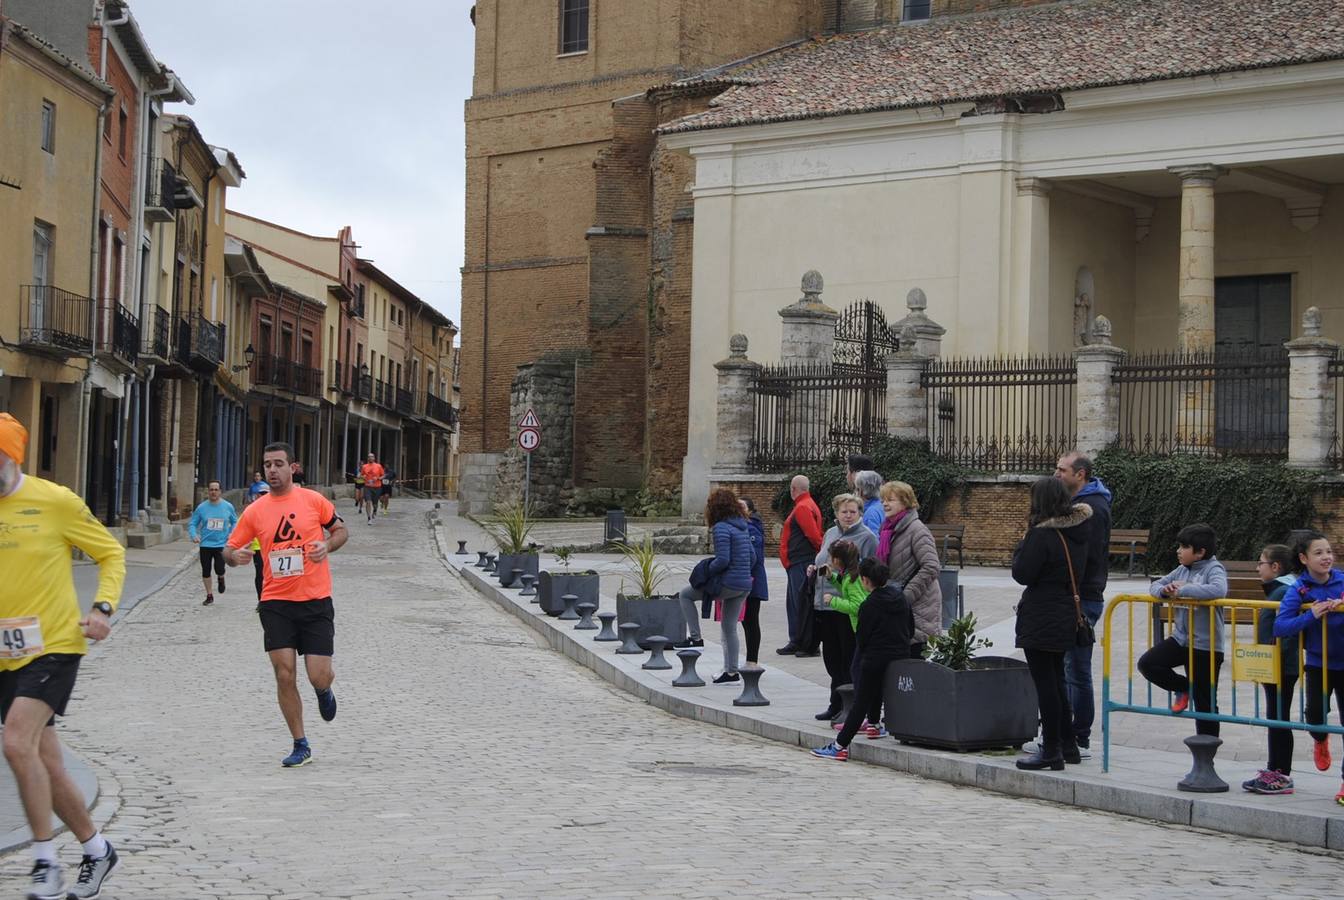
{"x":1075,"y":471}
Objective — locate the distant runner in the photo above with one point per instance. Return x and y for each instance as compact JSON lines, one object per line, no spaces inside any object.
{"x":42,"y":639}
{"x":257,"y":487}
{"x":372,"y":474}
{"x":385,"y":495}
{"x":297,"y":529}
{"x":210,"y":526}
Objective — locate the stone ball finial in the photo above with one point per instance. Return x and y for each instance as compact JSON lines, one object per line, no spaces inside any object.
{"x":915,"y":301}
{"x":812,"y":284}
{"x":737,"y":346}
{"x":1311,"y":322}
{"x":1101,"y":330}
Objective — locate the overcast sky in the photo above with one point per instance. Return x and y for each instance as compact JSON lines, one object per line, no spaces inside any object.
{"x":341,"y":113}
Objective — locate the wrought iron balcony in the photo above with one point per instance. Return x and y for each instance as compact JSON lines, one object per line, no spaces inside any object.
{"x":405,"y":402}
{"x":200,"y":343}
{"x":119,"y":332}
{"x":156,"y":335}
{"x":55,"y":321}
{"x":160,"y":187}
{"x":275,"y":371}
{"x":440,"y":410}
{"x":363,"y":386}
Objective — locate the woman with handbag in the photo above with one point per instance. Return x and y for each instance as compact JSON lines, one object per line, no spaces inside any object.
{"x":728,"y":578}
{"x":1050,"y":619}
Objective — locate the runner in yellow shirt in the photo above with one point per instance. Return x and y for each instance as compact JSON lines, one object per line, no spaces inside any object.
{"x":42,"y":639}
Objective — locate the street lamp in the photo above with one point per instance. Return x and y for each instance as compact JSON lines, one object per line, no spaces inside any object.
{"x":248,"y":356}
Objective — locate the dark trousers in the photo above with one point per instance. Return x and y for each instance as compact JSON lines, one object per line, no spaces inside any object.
{"x":873,"y":710}
{"x":870,"y":676}
{"x":797,"y":573}
{"x":751,"y":626}
{"x":1052,"y":697}
{"x":1078,"y":677}
{"x":1159,"y":666}
{"x":1317,"y":685}
{"x":837,"y":650}
{"x":256,"y":565}
{"x":1279,"y":705}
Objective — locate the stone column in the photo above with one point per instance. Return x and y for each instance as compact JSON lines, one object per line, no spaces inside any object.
{"x":1311,"y":395}
{"x":1195,"y":290}
{"x":735,"y":414}
{"x":1031,"y":267}
{"x":809,"y":326}
{"x":1097,"y":397}
{"x":907,"y":406}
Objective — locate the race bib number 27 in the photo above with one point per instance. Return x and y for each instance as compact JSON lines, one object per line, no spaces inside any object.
{"x":20,"y":638}
{"x":287,"y":563}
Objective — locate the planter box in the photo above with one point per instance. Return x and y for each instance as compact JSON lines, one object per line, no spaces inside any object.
{"x":551,"y":586}
{"x":659,"y":614}
{"x":991,"y":704}
{"x":530,"y":563}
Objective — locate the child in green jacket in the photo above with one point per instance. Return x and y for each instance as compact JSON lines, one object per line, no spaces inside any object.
{"x":850,"y":595}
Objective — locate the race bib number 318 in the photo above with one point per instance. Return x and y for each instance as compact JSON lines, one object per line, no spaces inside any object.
{"x":20,"y":638}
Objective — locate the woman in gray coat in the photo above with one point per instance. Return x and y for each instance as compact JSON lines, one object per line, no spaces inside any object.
{"x":907,"y":547}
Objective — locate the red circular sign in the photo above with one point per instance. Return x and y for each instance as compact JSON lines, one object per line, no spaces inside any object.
{"x":529,"y":439}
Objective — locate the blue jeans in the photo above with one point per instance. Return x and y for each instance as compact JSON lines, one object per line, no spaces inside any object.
{"x":793,"y":604}
{"x":1078,"y":678}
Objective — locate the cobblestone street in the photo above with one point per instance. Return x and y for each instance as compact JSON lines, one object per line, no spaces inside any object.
{"x":466,"y":760}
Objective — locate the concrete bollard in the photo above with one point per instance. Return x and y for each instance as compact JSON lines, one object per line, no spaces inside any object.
{"x":656,"y":659}
{"x":462,"y":549}
{"x":511,"y":578}
{"x":688,"y":676}
{"x":586,"y":610}
{"x":1202,"y":778}
{"x":490,"y":563}
{"x":607,"y":633}
{"x":529,"y":590}
{"x":628,"y":643}
{"x":751,"y":689}
{"x":570,"y":614}
{"x":846,"y":692}
{"x":480,"y":559}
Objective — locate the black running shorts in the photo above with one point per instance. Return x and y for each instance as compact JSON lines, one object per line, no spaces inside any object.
{"x":308,"y":626}
{"x":212,"y":556}
{"x":48,"y":678}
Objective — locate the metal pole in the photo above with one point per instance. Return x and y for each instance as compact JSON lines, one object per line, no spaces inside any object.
{"x":527,"y":482}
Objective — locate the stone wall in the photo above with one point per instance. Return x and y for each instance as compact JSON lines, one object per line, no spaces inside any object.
{"x":994,"y":511}
{"x":547,"y":388}
{"x":478,"y":482}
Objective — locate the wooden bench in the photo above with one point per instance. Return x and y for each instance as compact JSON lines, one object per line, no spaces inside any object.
{"x":949,"y":538}
{"x":1131,"y":542}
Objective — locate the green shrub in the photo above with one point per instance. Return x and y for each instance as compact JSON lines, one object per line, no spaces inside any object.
{"x":1249,"y":504}
{"x":933,"y":478}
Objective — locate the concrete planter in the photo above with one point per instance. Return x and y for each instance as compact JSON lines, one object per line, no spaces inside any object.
{"x":530,"y":563}
{"x":990,"y":704}
{"x":660,"y":614}
{"x":551,"y":586}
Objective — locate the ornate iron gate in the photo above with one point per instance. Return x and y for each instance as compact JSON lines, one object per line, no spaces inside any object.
{"x":862,"y":343}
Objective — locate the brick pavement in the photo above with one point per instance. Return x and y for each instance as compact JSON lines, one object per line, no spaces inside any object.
{"x":469,"y":761}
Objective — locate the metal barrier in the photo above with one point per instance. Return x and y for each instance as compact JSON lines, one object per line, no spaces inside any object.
{"x":1256,"y":666}
{"x":439,"y":486}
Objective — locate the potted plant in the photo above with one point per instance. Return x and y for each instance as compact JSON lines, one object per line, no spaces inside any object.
{"x":656,"y":614}
{"x":958,"y":701}
{"x":551,"y":586}
{"x":511,"y":528}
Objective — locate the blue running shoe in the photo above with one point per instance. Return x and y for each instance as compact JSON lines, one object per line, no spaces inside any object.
{"x":326,"y":704}
{"x":301,"y":756}
{"x":832,"y":751}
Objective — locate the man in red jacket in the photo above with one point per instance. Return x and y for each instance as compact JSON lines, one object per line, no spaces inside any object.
{"x":799,"y":544}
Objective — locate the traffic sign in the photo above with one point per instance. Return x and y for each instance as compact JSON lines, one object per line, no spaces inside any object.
{"x":529,"y":439}
{"x":530,"y":421}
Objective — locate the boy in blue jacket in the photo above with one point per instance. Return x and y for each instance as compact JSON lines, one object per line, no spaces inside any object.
{"x":1314,"y":608}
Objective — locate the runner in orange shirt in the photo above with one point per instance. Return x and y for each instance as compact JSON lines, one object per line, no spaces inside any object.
{"x":297,"y":529}
{"x":373,"y":485}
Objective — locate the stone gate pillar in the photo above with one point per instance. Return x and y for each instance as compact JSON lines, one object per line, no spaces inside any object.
{"x":927,"y":334}
{"x":907,"y":407}
{"x":735,"y":414}
{"x":1097,"y":397}
{"x":1311,"y":395}
{"x":809,"y":326}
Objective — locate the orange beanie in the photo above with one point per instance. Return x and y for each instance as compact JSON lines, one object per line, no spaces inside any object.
{"x":13,"y":438}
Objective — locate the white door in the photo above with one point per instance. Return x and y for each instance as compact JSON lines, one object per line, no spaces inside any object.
{"x":42,"y":247}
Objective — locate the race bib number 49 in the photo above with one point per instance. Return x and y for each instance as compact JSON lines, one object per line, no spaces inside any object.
{"x":20,"y":638}
{"x":287,"y":563}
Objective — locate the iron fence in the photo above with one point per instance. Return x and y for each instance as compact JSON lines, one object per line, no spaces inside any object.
{"x":1007,"y":414}
{"x":1335,"y":374}
{"x":807,"y":414}
{"x":1210,"y":404}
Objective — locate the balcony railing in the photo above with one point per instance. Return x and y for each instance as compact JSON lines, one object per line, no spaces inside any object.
{"x":125,"y":341}
{"x":405,"y":402}
{"x":275,"y":371}
{"x":156,"y":334}
{"x":363,"y":386}
{"x":159,"y":190}
{"x":440,"y":410}
{"x":54,"y":320}
{"x":200,"y":343}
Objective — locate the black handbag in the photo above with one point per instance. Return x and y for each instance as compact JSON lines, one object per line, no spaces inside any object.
{"x":1085,"y":636}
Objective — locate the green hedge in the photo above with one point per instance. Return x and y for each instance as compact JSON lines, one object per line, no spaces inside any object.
{"x":934,"y":479}
{"x":1248,"y":504}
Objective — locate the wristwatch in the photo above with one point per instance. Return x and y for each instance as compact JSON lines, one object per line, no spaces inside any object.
{"x":103,"y":607}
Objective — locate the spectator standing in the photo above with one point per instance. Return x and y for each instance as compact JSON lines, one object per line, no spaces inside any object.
{"x":906,"y":546}
{"x":834,"y":629}
{"x":1075,"y":471}
{"x":760,"y":586}
{"x":1200,"y":576}
{"x":299,"y":478}
{"x":867,"y":484}
{"x":730,"y":573}
{"x":1322,"y":628}
{"x":1275,"y":567}
{"x":854,"y":464}
{"x":1050,"y":614}
{"x":798,"y":546}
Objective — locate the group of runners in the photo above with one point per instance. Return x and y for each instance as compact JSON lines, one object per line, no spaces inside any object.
{"x":287,"y":532}
{"x":373,"y":487}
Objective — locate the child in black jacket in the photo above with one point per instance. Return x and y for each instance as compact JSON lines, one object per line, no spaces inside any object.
{"x":886,"y":630}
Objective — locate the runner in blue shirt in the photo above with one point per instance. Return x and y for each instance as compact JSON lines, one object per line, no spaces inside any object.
{"x":211,"y":525}
{"x":257,"y":487}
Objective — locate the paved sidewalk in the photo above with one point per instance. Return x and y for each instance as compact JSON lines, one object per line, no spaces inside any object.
{"x":1147,"y":758}
{"x":147,"y":571}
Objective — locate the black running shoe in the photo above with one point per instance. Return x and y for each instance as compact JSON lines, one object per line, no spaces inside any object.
{"x":326,"y":704}
{"x":220,"y":580}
